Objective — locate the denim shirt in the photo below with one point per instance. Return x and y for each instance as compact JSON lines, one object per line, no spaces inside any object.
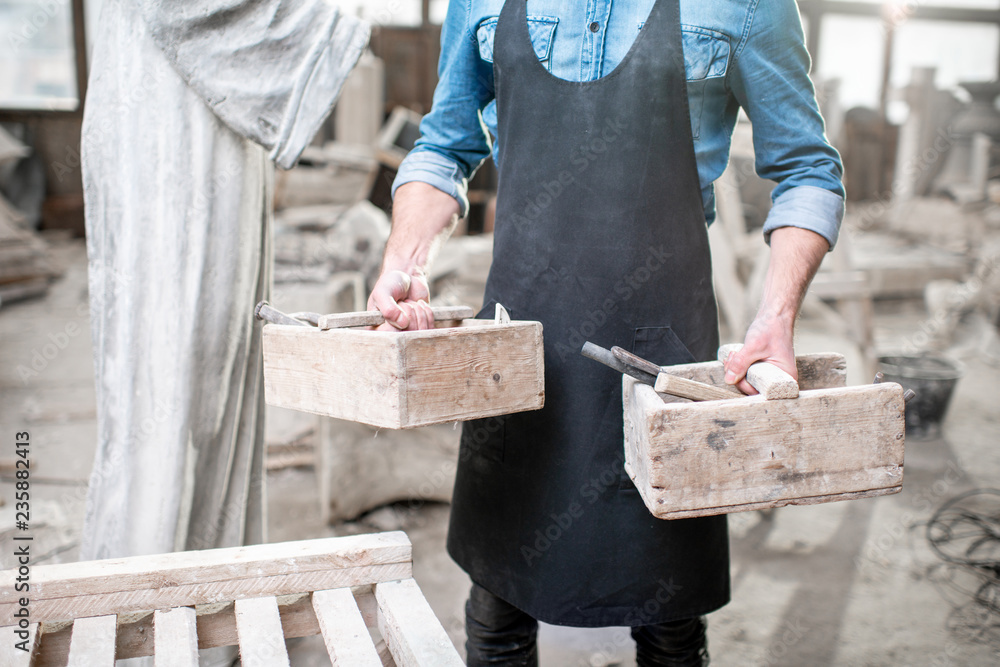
{"x":737,"y":53}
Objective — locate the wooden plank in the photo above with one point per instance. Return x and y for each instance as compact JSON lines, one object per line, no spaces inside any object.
{"x":143,"y":583}
{"x":344,"y":631}
{"x":19,"y":650}
{"x":488,"y":371}
{"x":773,"y":504}
{"x":406,"y":379}
{"x":176,"y":637}
{"x":841,"y":285}
{"x":693,"y":459}
{"x":210,"y":591}
{"x":93,"y":642}
{"x":413,"y":633}
{"x":262,"y":641}
{"x":373,"y":318}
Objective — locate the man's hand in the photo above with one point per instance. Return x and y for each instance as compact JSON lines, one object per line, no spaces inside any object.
{"x":768,"y":339}
{"x":422,"y":219}
{"x":795,"y":256}
{"x":403,"y":299}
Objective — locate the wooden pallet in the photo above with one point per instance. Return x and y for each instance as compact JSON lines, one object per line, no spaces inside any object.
{"x":356,"y":591}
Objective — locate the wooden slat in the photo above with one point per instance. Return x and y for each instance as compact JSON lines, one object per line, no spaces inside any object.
{"x":176,"y":637}
{"x":96,"y":588}
{"x":93,"y":642}
{"x":262,"y":641}
{"x":414,"y":634}
{"x":699,"y":459}
{"x":344,"y":631}
{"x":498,"y":371}
{"x":10,"y":654}
{"x":373,"y":318}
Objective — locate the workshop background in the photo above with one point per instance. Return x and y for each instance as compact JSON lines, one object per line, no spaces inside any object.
{"x":909,"y":91}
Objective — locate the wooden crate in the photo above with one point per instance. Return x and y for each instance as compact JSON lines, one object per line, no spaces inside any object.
{"x":716,"y":457}
{"x":470,"y":369}
{"x":356,"y":591}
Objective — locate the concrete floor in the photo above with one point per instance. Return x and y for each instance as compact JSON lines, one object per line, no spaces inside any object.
{"x":838,"y":584}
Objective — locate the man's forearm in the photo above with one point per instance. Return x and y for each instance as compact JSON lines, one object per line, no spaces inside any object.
{"x":423,"y":218}
{"x":795,"y":257}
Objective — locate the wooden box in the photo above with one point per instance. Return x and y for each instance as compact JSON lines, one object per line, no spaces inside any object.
{"x":470,"y":369}
{"x":716,"y":457}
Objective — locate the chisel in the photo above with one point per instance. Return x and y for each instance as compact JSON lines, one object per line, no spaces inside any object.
{"x":649,"y":373}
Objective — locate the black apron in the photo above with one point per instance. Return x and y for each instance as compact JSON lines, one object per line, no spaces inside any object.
{"x":601,"y":236}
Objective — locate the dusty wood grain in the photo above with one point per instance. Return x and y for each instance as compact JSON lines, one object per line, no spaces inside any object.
{"x":93,"y":642}
{"x":373,"y":318}
{"x":690,"y":389}
{"x":413,"y":633}
{"x":343,"y":373}
{"x":752,"y":453}
{"x":12,"y":656}
{"x":176,"y":637}
{"x":262,"y":641}
{"x":344,"y":631}
{"x":821,"y":371}
{"x":406,"y":379}
{"x":772,"y":382}
{"x":143,"y":583}
{"x":772,"y":504}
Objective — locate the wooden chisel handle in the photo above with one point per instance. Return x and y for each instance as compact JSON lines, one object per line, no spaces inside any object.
{"x":373,"y":318}
{"x":768,"y":379}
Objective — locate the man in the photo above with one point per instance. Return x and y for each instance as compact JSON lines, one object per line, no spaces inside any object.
{"x":612,"y":120}
{"x":188,"y":106}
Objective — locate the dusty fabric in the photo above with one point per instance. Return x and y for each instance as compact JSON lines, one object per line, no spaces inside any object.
{"x":187,"y":105}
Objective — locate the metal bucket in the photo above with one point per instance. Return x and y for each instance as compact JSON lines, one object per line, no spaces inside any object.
{"x":932,"y":378}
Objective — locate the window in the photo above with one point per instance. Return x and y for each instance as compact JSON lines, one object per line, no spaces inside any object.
{"x":37,"y":42}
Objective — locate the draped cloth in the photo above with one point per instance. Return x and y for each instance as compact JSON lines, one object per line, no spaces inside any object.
{"x":188,"y":107}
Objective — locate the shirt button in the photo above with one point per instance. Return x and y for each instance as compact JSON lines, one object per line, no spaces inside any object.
{"x":594,"y":27}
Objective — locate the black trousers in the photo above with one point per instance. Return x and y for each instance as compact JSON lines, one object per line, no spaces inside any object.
{"x":501,"y":634}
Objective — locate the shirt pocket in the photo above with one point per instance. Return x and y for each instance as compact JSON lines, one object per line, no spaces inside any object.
{"x":706,"y":59}
{"x":541,"y":29}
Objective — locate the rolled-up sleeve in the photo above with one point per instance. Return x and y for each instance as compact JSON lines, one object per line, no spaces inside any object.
{"x":453,"y":138}
{"x":270,"y":69}
{"x":770,"y":79}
